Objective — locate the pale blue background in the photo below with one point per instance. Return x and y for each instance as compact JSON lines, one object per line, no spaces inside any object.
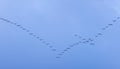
{"x":57,"y":21}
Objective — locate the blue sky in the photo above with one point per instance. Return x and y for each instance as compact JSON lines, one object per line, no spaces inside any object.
{"x":57,"y":22}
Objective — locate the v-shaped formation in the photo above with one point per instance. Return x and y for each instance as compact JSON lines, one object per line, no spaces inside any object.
{"x":81,"y":41}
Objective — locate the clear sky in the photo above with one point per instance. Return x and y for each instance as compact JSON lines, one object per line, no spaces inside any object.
{"x":59,"y":34}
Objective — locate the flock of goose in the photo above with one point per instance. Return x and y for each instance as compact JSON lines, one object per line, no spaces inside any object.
{"x":82,"y":40}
